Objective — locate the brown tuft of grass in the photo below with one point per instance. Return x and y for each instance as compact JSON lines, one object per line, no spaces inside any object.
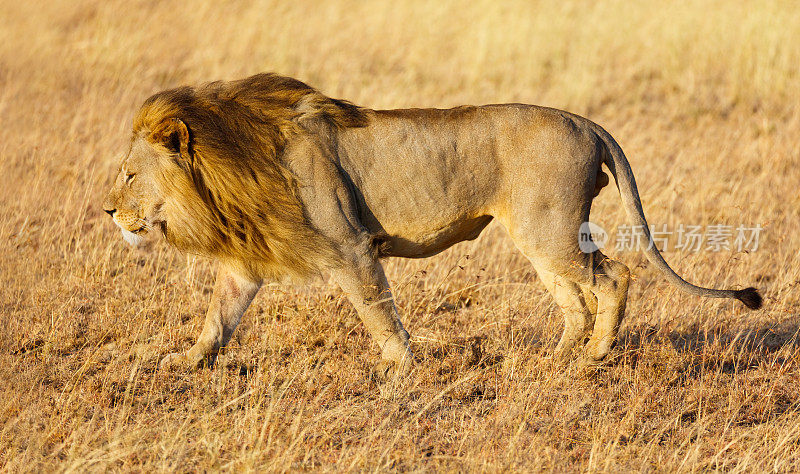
{"x":703,"y":97}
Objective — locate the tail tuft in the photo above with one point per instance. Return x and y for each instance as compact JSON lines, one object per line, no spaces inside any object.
{"x":750,"y":297}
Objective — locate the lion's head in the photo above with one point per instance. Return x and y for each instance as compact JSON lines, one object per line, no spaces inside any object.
{"x":204,"y":169}
{"x":135,"y":201}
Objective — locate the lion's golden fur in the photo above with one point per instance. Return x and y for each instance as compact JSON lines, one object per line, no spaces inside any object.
{"x":244,"y":168}
{"x":241,"y":202}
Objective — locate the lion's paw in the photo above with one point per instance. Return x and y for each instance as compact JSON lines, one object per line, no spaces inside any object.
{"x":563,"y":358}
{"x":591,"y":365}
{"x":383,"y":371}
{"x":177,"y":361}
{"x":391,"y":378}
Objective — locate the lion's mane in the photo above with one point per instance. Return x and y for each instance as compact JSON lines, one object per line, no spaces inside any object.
{"x":235,"y":200}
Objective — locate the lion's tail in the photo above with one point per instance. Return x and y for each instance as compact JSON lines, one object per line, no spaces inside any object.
{"x":626,"y":184}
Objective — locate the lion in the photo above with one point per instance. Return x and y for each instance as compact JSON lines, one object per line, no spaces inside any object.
{"x":272,"y":178}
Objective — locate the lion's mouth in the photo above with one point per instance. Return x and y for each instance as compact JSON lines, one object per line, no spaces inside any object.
{"x":133,"y":238}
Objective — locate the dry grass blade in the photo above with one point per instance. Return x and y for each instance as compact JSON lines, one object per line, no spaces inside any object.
{"x":703,"y":97}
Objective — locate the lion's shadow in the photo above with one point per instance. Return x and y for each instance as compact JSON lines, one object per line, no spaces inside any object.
{"x":726,"y":350}
{"x":715,"y":347}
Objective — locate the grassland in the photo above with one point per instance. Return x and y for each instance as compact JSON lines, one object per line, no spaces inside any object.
{"x":702,"y":95}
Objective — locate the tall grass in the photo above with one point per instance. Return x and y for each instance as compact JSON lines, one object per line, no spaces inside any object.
{"x":703,"y":97}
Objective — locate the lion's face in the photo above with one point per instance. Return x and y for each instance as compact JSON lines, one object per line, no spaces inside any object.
{"x":135,"y":201}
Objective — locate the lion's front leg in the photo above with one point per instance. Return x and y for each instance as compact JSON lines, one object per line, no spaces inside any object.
{"x":232,"y":295}
{"x":368,"y":290}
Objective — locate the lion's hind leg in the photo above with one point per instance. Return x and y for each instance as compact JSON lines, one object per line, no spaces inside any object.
{"x":595,"y":275}
{"x":591,"y":291}
{"x":578,"y":317}
{"x":609,"y":282}
{"x":591,"y":302}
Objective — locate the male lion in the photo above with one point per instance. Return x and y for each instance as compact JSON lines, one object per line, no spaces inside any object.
{"x":270,"y":177}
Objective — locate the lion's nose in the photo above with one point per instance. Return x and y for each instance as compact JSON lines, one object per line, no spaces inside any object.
{"x":110,"y":212}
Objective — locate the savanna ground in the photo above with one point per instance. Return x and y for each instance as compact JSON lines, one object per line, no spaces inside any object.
{"x":703,"y":97}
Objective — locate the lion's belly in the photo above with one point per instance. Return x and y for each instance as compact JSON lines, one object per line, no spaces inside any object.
{"x":421,"y":242}
{"x":418,"y":220}
{"x":424,"y":180}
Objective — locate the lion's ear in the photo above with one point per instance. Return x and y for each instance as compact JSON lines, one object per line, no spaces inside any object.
{"x":174,"y":135}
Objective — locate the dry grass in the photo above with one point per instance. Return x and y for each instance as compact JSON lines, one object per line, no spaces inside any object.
{"x":703,"y":97}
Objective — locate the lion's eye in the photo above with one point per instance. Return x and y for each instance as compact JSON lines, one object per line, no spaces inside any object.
{"x":129,"y":178}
